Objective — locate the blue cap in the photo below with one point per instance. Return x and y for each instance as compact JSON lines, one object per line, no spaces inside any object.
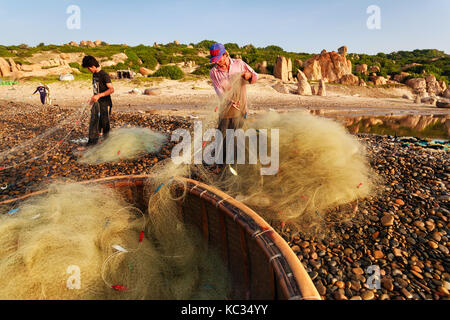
{"x":216,"y":51}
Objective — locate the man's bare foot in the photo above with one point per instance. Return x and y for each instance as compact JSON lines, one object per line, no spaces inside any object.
{"x":81,"y":148}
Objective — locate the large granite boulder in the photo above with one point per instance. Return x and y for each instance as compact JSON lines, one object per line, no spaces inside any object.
{"x":329,"y":66}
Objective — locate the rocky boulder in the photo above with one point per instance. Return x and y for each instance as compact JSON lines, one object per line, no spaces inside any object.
{"x":322,"y":90}
{"x":361,"y":68}
{"x":374,"y":69}
{"x":98,"y":43}
{"x":433,"y":86}
{"x":303,"y":86}
{"x":343,"y":51}
{"x":378,"y":80}
{"x":152,"y":92}
{"x":64,"y":56}
{"x":401,"y":76}
{"x":13,"y":65}
{"x":5,"y":69}
{"x":446,"y":93}
{"x":262,"y":67}
{"x":30,"y":67}
{"x":283,"y":69}
{"x":349,"y":79}
{"x":329,"y":66}
{"x":66,"y":77}
{"x":419,"y":85}
{"x":145,"y":71}
{"x":429,"y":100}
{"x":73,"y":44}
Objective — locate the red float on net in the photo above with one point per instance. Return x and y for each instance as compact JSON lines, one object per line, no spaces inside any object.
{"x":118,"y":287}
{"x":141,"y":236}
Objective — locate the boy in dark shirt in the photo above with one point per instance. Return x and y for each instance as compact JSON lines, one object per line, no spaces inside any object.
{"x":44,"y":92}
{"x":100,"y":101}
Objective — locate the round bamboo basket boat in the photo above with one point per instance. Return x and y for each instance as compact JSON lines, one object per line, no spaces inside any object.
{"x":261,"y":263}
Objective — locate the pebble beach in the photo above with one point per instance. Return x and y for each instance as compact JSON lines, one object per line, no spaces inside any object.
{"x":402,"y":232}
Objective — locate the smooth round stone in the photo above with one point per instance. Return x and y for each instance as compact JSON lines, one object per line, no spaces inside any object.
{"x":355,"y":285}
{"x":406,"y":293}
{"x":368,"y":295}
{"x":443,"y":249}
{"x":416,"y":274}
{"x":387,"y":284}
{"x":356,"y":298}
{"x":384,"y":296}
{"x":340,"y":284}
{"x":339,"y":295}
{"x":401,"y":283}
{"x":348,"y":251}
{"x":396,"y":272}
{"x":387,"y":220}
{"x":436,"y":236}
{"x":378,"y":254}
{"x":358,"y":271}
{"x":433,"y":244}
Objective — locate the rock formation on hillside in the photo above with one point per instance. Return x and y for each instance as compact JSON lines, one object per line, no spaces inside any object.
{"x":283,"y":69}
{"x":304,"y":88}
{"x":361,"y":68}
{"x":328,"y":66}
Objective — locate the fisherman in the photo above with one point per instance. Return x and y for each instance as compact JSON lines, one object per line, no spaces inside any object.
{"x":224,"y":75}
{"x":44,"y":92}
{"x":100,"y":101}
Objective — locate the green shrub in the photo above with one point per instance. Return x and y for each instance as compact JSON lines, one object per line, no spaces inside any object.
{"x":171,"y":72}
{"x":205,"y":44}
{"x":203,"y":70}
{"x":274,"y":48}
{"x":231,"y":46}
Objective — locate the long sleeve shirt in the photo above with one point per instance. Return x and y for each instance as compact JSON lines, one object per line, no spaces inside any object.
{"x":222,"y":80}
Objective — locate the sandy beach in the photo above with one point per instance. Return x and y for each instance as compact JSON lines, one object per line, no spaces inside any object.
{"x":197,"y":97}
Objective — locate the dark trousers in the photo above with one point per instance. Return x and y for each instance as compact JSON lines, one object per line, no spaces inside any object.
{"x":99,"y":122}
{"x":43,"y":95}
{"x":230,"y":123}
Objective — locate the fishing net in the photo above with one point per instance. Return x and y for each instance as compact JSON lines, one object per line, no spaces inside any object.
{"x":196,"y":271}
{"x":322,"y":172}
{"x":124,"y":143}
{"x":89,"y":233}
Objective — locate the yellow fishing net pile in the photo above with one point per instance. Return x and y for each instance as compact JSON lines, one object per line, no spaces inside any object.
{"x":86,"y":242}
{"x":123,"y":144}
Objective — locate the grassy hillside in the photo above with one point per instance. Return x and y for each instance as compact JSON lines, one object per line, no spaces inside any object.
{"x":427,"y":61}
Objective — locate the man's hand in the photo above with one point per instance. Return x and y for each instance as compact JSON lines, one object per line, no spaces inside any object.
{"x":247,"y":75}
{"x":235,"y":104}
{"x":94,"y":98}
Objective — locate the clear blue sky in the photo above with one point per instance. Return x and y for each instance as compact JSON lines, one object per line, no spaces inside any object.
{"x":297,"y":25}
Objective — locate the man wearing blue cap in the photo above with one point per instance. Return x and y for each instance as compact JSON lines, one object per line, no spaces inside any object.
{"x":229,"y":77}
